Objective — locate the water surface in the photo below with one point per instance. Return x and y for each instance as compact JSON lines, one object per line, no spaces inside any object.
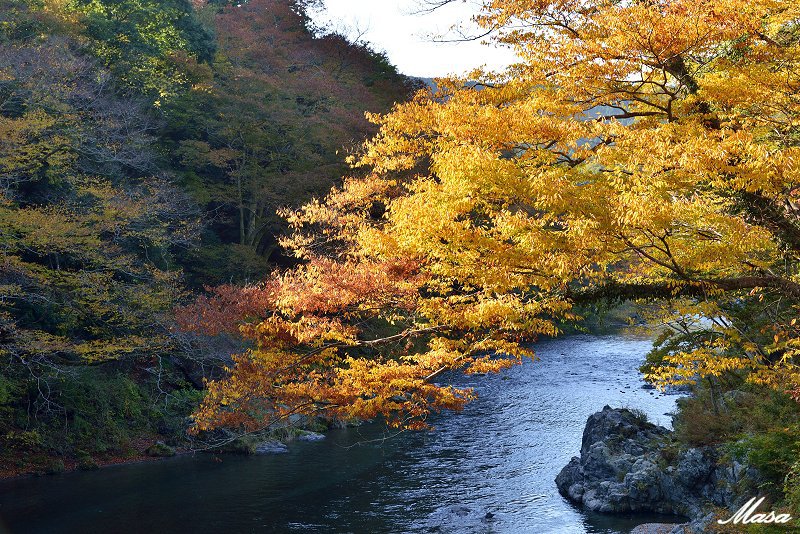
{"x":498,"y":457}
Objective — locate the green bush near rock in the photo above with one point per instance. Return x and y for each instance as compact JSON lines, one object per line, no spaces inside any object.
{"x":317,"y":425}
{"x":773,"y":453}
{"x":86,"y":462}
{"x":245,"y":445}
{"x":756,"y":426}
{"x":97,"y":412}
{"x":55,"y":467}
{"x":160,"y":449}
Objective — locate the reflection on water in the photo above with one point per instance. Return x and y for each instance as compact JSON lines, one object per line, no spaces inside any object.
{"x":488,"y":469}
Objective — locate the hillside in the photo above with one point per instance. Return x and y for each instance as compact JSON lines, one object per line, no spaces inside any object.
{"x":146,"y":148}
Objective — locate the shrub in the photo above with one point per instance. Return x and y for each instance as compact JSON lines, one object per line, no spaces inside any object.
{"x":94,"y":401}
{"x":55,"y":467}
{"x":791,"y":489}
{"x":773,"y":453}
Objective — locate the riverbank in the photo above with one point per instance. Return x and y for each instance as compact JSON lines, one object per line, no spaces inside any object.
{"x":499,"y":456}
{"x":56,"y":465}
{"x":148,"y":450}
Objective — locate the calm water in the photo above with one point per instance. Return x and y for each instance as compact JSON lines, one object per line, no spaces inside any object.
{"x":499,"y":456}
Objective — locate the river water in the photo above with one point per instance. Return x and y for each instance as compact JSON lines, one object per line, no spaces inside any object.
{"x":498,"y":457}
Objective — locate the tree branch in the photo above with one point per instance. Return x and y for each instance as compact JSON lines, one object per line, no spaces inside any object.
{"x":665,"y":290}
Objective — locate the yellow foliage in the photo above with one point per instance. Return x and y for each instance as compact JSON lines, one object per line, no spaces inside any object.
{"x":643,"y":150}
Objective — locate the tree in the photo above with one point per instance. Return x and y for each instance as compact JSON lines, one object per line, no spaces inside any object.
{"x":638,"y":151}
{"x":152,"y":47}
{"x":284,"y":101}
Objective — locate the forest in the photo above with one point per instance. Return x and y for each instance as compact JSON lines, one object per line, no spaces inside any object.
{"x":220,"y":221}
{"x":145,"y":150}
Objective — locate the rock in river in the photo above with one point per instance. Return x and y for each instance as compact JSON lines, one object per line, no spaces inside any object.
{"x":271,"y":447}
{"x":311,"y":436}
{"x":628,"y":465}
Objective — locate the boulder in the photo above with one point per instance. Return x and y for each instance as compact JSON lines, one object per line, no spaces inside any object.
{"x":270,"y":447}
{"x":310,"y":436}
{"x":622,"y":468}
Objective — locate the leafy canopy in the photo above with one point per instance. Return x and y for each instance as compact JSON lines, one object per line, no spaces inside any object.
{"x":643,"y":150}
{"x":152,"y":47}
{"x":90,"y":227}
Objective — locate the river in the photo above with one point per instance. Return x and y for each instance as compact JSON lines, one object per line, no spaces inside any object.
{"x":498,"y":457}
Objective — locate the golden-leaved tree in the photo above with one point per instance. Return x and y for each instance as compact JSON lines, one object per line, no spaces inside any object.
{"x":641,"y":150}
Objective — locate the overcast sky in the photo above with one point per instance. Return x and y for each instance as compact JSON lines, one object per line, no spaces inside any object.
{"x":392,"y":27}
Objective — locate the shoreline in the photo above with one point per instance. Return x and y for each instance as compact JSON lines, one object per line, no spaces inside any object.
{"x":73,"y":465}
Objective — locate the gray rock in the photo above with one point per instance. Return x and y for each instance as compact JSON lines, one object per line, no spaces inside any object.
{"x":271,"y":447}
{"x":653,"y":528}
{"x":621,"y":469}
{"x":311,"y":436}
{"x":698,"y":525}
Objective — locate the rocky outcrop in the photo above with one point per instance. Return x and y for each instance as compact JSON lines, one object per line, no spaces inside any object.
{"x":630,"y":465}
{"x":697,"y":526}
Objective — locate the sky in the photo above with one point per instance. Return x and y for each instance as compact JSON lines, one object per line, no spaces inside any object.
{"x":391,"y":26}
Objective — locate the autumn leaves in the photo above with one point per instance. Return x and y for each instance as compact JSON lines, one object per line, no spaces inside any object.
{"x":497,"y":212}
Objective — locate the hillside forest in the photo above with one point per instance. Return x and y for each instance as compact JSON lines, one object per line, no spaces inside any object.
{"x":145,"y":150}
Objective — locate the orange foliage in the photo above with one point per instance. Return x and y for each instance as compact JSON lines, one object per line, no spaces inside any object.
{"x":304,"y":325}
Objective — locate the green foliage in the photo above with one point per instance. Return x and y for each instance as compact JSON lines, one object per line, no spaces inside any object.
{"x":93,"y":412}
{"x":640,"y":416}
{"x":272,"y":130}
{"x":6,"y":391}
{"x":245,"y":445}
{"x":89,"y":230}
{"x":792,"y":487}
{"x":160,"y":449}
{"x":92,"y":401}
{"x":750,"y":320}
{"x":151,"y":46}
{"x":697,"y":423}
{"x":755,"y":424}
{"x":169,"y":416}
{"x":17,"y":22}
{"x":713,"y":416}
{"x":86,"y":462}
{"x":23,"y":440}
{"x":242,"y":263}
{"x":773,"y":452}
{"x":87,"y":238}
{"x":55,"y":467}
